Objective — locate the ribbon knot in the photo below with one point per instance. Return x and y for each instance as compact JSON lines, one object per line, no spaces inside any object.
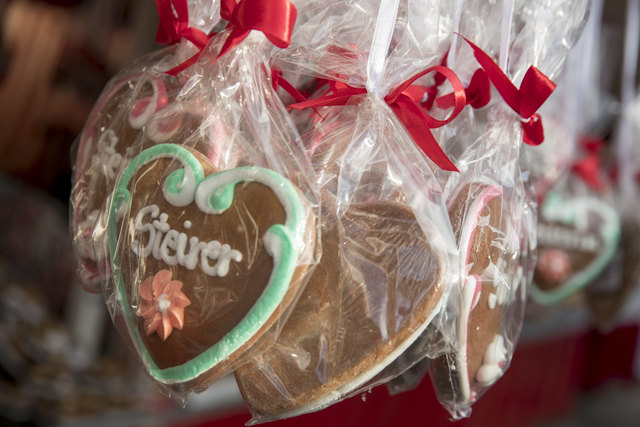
{"x":534,"y":91}
{"x":174,"y":24}
{"x":478,"y":93}
{"x":404,"y":102}
{"x":274,"y":18}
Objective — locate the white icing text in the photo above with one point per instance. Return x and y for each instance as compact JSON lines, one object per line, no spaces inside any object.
{"x":169,"y":245}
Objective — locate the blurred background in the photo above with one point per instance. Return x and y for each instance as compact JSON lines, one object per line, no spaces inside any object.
{"x":63,"y":364}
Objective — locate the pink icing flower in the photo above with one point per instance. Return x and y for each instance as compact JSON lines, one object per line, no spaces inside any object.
{"x":162,"y":305}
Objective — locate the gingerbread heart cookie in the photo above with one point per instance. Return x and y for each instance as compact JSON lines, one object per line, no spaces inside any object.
{"x":377,"y":286}
{"x":491,"y":276}
{"x":577,"y":238}
{"x":135,"y":108}
{"x":204,"y":262}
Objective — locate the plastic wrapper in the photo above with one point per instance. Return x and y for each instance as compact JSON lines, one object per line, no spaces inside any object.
{"x":111,"y":129}
{"x":607,"y":298}
{"x":387,"y":242}
{"x":578,"y":236}
{"x":572,"y":112}
{"x":492,"y":207}
{"x":209,"y":236}
{"x":494,"y":219}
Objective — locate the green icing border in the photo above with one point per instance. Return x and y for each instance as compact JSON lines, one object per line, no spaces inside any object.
{"x":286,"y":238}
{"x":611,"y":235}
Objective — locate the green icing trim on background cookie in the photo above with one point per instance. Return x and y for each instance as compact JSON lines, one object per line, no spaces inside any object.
{"x":212,"y":194}
{"x":567,"y":212}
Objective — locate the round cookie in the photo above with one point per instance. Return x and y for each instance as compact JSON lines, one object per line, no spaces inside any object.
{"x":577,"y":238}
{"x":490,"y":278}
{"x":205,"y":262}
{"x":376,"y":288}
{"x":134,"y":108}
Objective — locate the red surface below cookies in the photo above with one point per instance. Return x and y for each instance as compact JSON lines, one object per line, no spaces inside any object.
{"x":542,"y":383}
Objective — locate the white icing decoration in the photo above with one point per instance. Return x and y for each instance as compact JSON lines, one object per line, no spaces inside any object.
{"x":163,"y":240}
{"x":493,"y":301}
{"x":493,"y":362}
{"x":183,"y":197}
{"x":84,"y":237}
{"x":138,"y":121}
{"x":561,"y":237}
{"x":468,"y":293}
{"x":106,"y":158}
{"x":165,"y":123}
{"x":220,"y":182}
{"x":187,"y":224}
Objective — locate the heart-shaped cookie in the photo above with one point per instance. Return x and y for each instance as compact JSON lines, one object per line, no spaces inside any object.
{"x":378,"y":285}
{"x":204,"y":262}
{"x":491,"y":275}
{"x":134,"y":108}
{"x":577,"y":238}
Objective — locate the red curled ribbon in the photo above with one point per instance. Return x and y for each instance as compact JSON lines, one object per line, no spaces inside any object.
{"x":478,"y":93}
{"x":274,"y":18}
{"x":404,"y":103}
{"x":278,"y":81}
{"x":534,"y":91}
{"x":174,"y":26}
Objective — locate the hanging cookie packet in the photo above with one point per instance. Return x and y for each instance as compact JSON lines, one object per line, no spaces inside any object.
{"x":386,"y":239}
{"x":209,"y":231}
{"x":492,"y":208}
{"x":138,"y":105}
{"x":608,"y":300}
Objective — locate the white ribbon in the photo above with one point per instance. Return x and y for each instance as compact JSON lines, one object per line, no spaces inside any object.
{"x":628,"y":93}
{"x":505,"y":34}
{"x":457,"y":14}
{"x":382,"y":34}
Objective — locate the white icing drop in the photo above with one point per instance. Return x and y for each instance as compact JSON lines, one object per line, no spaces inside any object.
{"x":468,"y":293}
{"x":169,"y":245}
{"x":493,"y":300}
{"x":493,"y":362}
{"x":187,"y":224}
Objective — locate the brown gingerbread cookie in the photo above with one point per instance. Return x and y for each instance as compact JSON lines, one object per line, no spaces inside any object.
{"x":577,"y":238}
{"x":136,"y":108}
{"x":205,"y":262}
{"x":490,"y":277}
{"x":378,"y":285}
{"x":606,"y":296}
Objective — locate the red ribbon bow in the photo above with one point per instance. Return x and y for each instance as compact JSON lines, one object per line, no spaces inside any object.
{"x":478,"y":93}
{"x":404,"y":101}
{"x":588,"y":168}
{"x":274,"y":18}
{"x":534,"y":91}
{"x":277,"y":80}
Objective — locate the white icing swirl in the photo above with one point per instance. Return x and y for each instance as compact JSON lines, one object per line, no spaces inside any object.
{"x":493,"y":362}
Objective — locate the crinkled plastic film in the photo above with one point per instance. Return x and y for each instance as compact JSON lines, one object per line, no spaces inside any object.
{"x":207,"y":234}
{"x":607,"y":299}
{"x":492,"y":207}
{"x":578,"y":236}
{"x":387,"y":243}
